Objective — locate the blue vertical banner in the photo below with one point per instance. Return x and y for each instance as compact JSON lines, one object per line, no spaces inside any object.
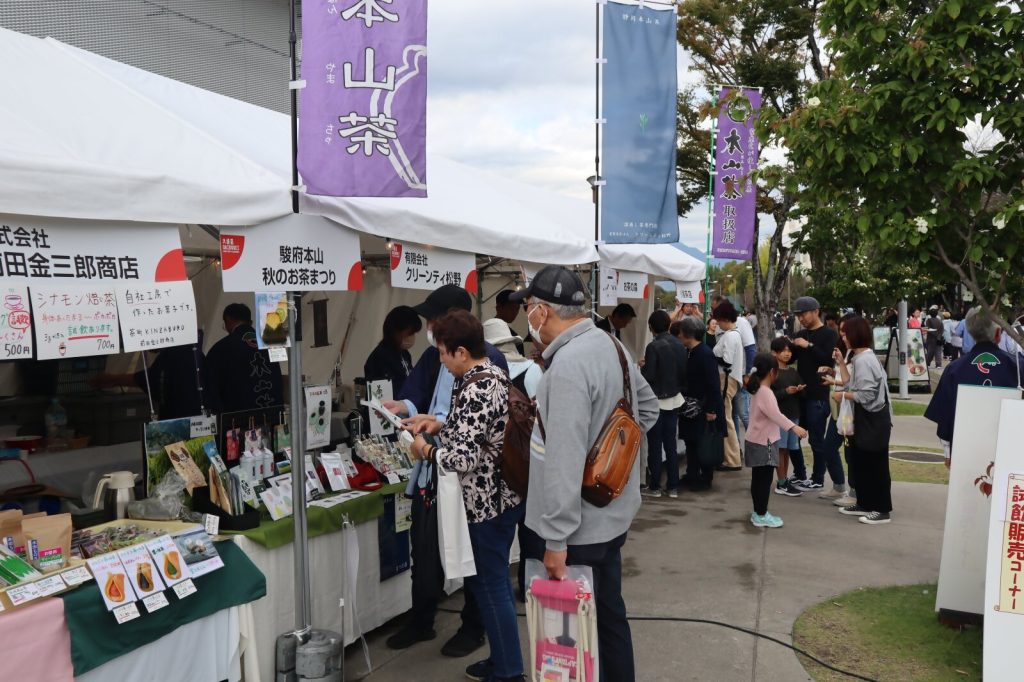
{"x":638,"y":200}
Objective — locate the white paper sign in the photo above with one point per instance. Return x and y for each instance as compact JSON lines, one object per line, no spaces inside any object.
{"x":318,"y":417}
{"x":158,"y":315}
{"x":379,"y":392}
{"x":185,"y":589}
{"x":75,"y":321}
{"x":112,"y":580}
{"x":61,"y":251}
{"x":688,"y":292}
{"x":125,"y":613}
{"x":1004,"y":574}
{"x":15,"y":324}
{"x":337,"y":478}
{"x":425,"y":267}
{"x":297,"y":252}
{"x":23,"y":593}
{"x":609,"y":286}
{"x":964,"y":543}
{"x":168,"y":560}
{"x":272,"y":320}
{"x":211,"y":522}
{"x":278,"y":354}
{"x":76,"y":576}
{"x":155,"y":602}
{"x":633,"y":284}
{"x":198,"y":551}
{"x":51,"y":585}
{"x":203,"y":426}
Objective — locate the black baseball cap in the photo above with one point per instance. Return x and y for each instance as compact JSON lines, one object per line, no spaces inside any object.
{"x":554,"y":284}
{"x":443,"y":299}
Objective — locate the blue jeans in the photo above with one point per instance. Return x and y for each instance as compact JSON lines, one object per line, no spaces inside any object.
{"x":663,"y":435}
{"x":492,"y":542}
{"x":741,"y":411}
{"x":824,"y":443}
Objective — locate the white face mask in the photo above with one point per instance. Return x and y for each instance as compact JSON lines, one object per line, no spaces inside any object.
{"x":430,"y":338}
{"x":534,"y":331}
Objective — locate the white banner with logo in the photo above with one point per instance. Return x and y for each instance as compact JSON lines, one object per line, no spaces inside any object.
{"x":414,"y":266}
{"x":297,"y":252}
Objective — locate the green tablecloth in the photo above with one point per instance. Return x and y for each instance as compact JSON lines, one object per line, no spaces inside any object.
{"x":320,"y":521}
{"x":97,"y":638}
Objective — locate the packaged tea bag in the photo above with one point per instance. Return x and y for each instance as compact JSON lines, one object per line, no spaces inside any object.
{"x":48,"y":541}
{"x":10,"y":531}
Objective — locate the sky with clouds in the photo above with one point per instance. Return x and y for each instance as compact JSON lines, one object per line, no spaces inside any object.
{"x":512,"y":91}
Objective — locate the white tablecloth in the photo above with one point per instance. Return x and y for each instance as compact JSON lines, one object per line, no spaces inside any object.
{"x":375,"y":602}
{"x":206,"y":650}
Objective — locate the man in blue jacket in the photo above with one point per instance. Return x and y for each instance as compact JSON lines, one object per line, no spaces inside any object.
{"x":427,"y":393}
{"x":985,"y":365}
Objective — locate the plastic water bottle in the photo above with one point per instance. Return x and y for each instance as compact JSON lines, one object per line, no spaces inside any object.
{"x":56,"y":419}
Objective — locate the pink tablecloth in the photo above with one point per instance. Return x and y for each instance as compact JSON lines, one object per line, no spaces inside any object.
{"x":35,"y":643}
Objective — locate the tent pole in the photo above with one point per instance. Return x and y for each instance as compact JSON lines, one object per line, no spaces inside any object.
{"x":711,"y":204}
{"x":595,"y":275}
{"x":294,"y":96}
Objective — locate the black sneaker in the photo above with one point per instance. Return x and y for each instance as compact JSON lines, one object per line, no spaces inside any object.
{"x":462,"y":644}
{"x":854,"y":510}
{"x":409,"y":635}
{"x":875,"y":518}
{"x":481,"y":670}
{"x":808,"y":485}
{"x":786,"y":488}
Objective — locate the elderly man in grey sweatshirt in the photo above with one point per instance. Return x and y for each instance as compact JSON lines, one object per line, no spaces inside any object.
{"x":580,"y":388}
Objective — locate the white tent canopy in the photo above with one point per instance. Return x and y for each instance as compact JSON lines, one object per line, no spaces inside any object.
{"x":182,"y":154}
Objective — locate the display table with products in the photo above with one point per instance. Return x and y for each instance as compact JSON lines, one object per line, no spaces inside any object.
{"x":199,"y":637}
{"x":334,"y":552}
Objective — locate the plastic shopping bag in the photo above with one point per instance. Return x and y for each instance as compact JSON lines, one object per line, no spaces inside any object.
{"x":561,"y":618}
{"x":453,"y":528}
{"x":844,"y":425}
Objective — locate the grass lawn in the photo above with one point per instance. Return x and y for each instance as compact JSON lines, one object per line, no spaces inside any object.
{"x":904,"y":408}
{"x":888,"y":633}
{"x":908,"y":472}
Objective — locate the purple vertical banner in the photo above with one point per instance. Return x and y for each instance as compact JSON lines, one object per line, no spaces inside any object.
{"x":736,"y":153}
{"x":363,"y":114}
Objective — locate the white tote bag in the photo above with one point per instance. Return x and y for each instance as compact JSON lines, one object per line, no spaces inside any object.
{"x":452,"y":527}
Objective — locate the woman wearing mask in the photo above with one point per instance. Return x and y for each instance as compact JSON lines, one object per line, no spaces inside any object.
{"x":469,"y":443}
{"x":864,"y":383}
{"x":391,"y":359}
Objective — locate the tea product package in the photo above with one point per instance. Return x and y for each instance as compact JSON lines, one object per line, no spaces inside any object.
{"x":11,"y":536}
{"x":48,"y":541}
{"x":14,"y":569}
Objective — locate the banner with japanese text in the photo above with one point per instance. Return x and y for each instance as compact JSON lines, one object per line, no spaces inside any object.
{"x":364,"y":106}
{"x":425,"y":267}
{"x":36,"y":250}
{"x":15,"y":324}
{"x":689,"y":292}
{"x":159,"y":315}
{"x":75,"y":321}
{"x":736,"y":154}
{"x":297,"y":252}
{"x":633,"y":284}
{"x":609,"y":295}
{"x":638,"y":157}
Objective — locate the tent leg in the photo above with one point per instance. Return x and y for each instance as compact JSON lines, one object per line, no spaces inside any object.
{"x":303,"y":615}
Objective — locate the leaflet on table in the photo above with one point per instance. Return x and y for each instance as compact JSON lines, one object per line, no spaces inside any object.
{"x":337,"y":476}
{"x":335,"y":500}
{"x":199,"y":553}
{"x":167,"y":558}
{"x":279,"y":505}
{"x":112,"y":580}
{"x":314,"y":488}
{"x":138,"y":564}
{"x":384,"y":413}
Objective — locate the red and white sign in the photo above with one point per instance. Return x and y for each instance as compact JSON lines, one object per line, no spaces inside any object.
{"x":425,"y":267}
{"x":75,"y":321}
{"x":297,"y":252}
{"x":15,"y":324}
{"x":58,"y":251}
{"x":689,"y":292}
{"x":633,"y":284}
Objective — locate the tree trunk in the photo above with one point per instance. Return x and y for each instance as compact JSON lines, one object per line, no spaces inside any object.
{"x":769,"y":286}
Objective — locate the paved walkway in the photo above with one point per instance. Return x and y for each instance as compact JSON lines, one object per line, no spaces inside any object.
{"x":699,"y":557}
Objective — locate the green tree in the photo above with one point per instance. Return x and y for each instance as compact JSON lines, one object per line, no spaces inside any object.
{"x":771,"y":44}
{"x":919,"y":138}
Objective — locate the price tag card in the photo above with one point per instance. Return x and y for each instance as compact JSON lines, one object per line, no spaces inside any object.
{"x":51,"y":585}
{"x":22,"y":594}
{"x":185,"y":588}
{"x":125,"y":613}
{"x":278,"y":354}
{"x":155,"y":602}
{"x":203,"y":426}
{"x":76,"y":576}
{"x":211,"y":522}
{"x":393,"y":477}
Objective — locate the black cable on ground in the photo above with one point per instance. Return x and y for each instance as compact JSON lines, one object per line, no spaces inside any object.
{"x":754,"y":633}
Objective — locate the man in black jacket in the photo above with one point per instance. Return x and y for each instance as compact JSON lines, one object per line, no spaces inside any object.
{"x":665,"y":370}
{"x":240,"y":376}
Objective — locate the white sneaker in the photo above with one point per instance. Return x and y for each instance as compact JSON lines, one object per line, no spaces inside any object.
{"x":844,"y":501}
{"x":832,"y":494}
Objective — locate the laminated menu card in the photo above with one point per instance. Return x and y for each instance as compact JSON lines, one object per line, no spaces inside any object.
{"x":112,"y":580}
{"x":198,"y":551}
{"x":168,"y":560}
{"x":141,"y":570}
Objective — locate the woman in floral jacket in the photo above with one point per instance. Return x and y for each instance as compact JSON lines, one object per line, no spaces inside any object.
{"x":470,"y":443}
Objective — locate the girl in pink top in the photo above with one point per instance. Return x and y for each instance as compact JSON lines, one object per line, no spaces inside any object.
{"x":761,"y":453}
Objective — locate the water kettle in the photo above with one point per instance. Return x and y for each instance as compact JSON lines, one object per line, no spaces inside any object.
{"x":114,"y":491}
